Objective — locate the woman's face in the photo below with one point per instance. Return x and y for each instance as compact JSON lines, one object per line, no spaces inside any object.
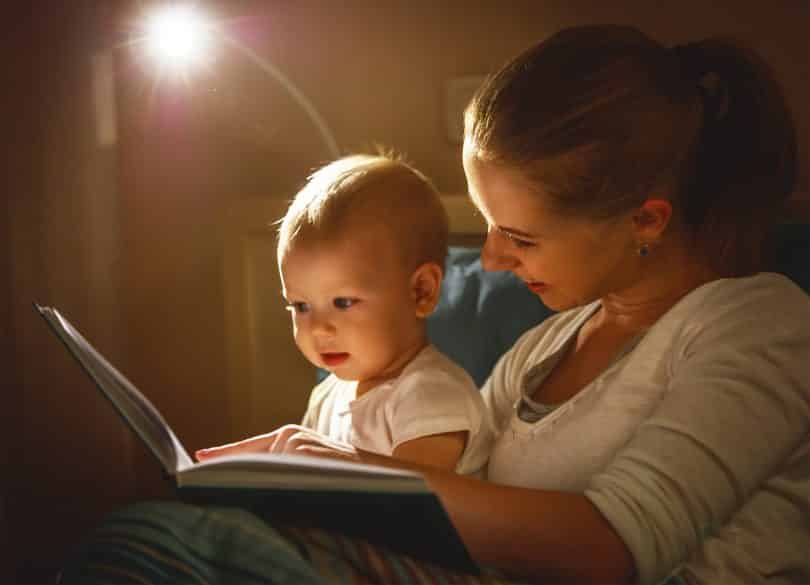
{"x":567,"y":262}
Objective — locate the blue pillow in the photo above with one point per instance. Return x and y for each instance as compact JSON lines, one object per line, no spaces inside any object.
{"x":792,"y":253}
{"x":480,"y":314}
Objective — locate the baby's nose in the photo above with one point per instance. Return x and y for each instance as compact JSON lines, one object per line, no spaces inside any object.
{"x":322,"y":325}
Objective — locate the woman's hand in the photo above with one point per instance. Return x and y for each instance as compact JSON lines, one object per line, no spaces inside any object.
{"x":293,"y":439}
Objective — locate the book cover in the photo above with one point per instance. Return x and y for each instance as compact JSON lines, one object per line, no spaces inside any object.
{"x":391,"y":507}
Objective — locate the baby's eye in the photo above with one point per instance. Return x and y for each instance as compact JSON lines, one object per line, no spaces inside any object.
{"x":298,"y":307}
{"x":343,"y":303}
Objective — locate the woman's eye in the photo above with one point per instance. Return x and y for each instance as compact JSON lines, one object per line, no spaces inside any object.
{"x":517,"y":241}
{"x":298,"y":307}
{"x":343,"y":303}
{"x":522,"y":243}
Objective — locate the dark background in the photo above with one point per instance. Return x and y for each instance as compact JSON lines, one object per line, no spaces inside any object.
{"x":127,"y":238}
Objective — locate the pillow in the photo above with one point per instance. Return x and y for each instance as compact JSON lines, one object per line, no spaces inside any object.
{"x":480,"y":314}
{"x":792,"y":253}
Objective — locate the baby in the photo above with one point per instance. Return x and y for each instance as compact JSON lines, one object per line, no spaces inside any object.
{"x":361,"y":252}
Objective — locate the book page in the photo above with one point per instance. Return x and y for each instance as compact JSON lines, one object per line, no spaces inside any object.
{"x":299,"y":472}
{"x":306,"y":464}
{"x":134,"y":407}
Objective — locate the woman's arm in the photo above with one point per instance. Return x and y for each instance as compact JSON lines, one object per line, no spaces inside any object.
{"x":545,"y":536}
{"x":542,"y":535}
{"x":552,"y":536}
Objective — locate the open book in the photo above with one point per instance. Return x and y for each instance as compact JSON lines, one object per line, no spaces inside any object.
{"x":384,"y":506}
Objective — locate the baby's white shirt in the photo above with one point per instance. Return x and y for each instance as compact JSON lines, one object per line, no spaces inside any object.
{"x":433,"y":395}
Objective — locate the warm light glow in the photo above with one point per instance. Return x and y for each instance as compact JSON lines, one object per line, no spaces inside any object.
{"x":177,"y":36}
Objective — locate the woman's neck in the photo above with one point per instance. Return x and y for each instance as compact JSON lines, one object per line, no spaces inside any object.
{"x":670,"y":275}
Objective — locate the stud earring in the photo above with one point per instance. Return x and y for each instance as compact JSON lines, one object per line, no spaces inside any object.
{"x":643,"y":249}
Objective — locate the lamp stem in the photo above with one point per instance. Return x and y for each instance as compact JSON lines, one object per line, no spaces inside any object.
{"x":297,"y":95}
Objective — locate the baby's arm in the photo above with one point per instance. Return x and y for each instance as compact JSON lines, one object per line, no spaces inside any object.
{"x":443,"y":450}
{"x":274,"y":441}
{"x":434,"y":416}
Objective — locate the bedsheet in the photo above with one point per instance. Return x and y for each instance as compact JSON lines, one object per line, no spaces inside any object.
{"x":173,"y":542}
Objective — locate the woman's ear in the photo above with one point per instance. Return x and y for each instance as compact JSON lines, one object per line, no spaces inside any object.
{"x":651,"y":219}
{"x":426,"y":286}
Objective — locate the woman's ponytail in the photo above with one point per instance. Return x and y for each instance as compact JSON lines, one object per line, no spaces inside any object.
{"x":743,"y":164}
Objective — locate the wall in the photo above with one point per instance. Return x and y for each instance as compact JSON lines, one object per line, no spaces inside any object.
{"x":128,"y":240}
{"x":67,"y":459}
{"x":376,"y":71}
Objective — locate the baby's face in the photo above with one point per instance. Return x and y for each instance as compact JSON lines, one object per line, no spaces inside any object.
{"x":351,"y":306}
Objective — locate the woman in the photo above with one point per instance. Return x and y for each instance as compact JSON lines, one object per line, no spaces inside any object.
{"x":657,"y":426}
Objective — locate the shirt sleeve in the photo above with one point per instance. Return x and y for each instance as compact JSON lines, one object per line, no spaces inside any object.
{"x":432,"y":402}
{"x":736,"y":407}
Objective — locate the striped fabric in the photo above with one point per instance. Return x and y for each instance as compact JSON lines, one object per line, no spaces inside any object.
{"x":171,"y":542}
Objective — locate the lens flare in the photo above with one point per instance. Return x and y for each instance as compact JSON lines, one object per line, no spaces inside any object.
{"x":177,"y":36}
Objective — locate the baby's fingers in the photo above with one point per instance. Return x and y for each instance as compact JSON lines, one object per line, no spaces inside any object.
{"x":259,"y":444}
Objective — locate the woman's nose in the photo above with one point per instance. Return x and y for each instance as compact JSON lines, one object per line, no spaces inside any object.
{"x":494,"y":255}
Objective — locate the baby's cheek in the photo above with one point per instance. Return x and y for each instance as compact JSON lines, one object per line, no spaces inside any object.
{"x":299,"y":336}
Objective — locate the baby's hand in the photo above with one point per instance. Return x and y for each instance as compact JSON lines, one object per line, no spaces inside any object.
{"x":267,"y":443}
{"x":287,"y":439}
{"x":308,"y":442}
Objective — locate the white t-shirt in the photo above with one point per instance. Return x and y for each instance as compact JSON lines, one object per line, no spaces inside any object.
{"x":431,"y":396}
{"x":694,"y":443}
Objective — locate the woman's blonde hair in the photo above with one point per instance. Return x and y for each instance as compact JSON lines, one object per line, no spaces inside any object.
{"x":603,"y":117}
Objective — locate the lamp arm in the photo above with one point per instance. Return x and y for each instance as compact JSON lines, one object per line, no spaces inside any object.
{"x":297,"y":95}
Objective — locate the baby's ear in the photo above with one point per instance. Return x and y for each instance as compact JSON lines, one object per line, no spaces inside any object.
{"x":426,"y":285}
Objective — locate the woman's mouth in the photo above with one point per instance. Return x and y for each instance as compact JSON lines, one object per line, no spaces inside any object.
{"x":537,"y":287}
{"x":334,"y":359}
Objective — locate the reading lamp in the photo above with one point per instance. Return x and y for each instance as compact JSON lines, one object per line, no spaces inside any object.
{"x":178,"y":37}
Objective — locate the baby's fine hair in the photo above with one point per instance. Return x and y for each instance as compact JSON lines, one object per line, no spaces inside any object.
{"x":385,"y":189}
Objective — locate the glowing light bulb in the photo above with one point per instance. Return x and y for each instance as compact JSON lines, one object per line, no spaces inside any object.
{"x":177,"y":36}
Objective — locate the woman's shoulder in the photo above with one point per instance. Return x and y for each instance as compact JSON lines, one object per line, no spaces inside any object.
{"x":771,"y":283}
{"x":763,"y":295}
{"x":755,"y":310}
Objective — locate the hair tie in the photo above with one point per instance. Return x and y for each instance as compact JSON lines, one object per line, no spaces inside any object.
{"x":711,"y":85}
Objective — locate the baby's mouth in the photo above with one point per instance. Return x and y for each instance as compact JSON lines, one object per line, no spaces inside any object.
{"x":334,"y":359}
